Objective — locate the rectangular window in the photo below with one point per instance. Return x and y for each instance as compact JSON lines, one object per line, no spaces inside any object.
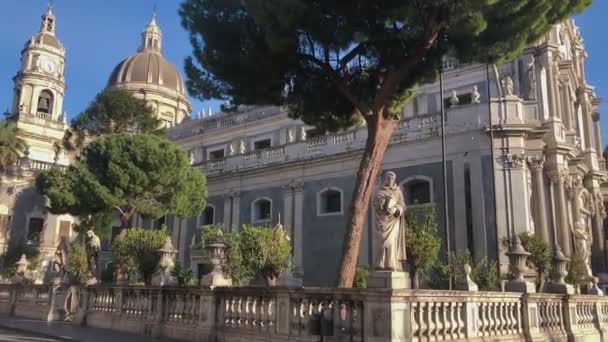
{"x":64,"y":229}
{"x":216,"y":155}
{"x":34,"y":234}
{"x":261,"y":144}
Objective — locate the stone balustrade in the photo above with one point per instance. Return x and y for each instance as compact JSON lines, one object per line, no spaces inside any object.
{"x":315,"y":314}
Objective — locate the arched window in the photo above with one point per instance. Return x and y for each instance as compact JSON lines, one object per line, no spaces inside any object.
{"x":329,"y":202}
{"x":208,"y":217}
{"x":261,"y":210}
{"x":45,"y":102}
{"x":417,"y":190}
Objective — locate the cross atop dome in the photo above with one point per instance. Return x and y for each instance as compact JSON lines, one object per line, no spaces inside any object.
{"x":152,"y":36}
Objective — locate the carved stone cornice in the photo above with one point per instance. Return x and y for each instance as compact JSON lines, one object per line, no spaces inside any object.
{"x":536,"y":162}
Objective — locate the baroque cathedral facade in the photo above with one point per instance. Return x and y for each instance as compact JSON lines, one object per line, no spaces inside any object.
{"x":523,"y":154}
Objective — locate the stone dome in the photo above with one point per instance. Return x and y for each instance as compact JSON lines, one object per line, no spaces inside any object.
{"x":150,"y":68}
{"x":47,"y":39}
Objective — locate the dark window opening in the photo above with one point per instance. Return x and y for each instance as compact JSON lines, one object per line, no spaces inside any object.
{"x":208,"y":216}
{"x":261,"y":144}
{"x":417,"y":192}
{"x":331,"y":202}
{"x":216,"y":155}
{"x":34,"y":234}
{"x":463,"y":99}
{"x":262,"y":209}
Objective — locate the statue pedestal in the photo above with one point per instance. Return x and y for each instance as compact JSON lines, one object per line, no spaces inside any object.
{"x":520,"y":286}
{"x":216,"y":279}
{"x":552,"y":287}
{"x":388,"y":280}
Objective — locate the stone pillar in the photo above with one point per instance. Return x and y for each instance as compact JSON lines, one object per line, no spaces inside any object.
{"x":598,"y":137}
{"x":236,"y":210}
{"x":562,"y":229}
{"x":227,"y":212}
{"x":536,"y":164}
{"x":598,"y":248}
{"x":298,"y":229}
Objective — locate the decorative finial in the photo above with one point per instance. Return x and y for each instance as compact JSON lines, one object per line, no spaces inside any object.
{"x":153,"y":19}
{"x":49,"y":9}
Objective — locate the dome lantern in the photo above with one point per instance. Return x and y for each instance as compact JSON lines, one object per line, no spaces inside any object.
{"x":151,"y":38}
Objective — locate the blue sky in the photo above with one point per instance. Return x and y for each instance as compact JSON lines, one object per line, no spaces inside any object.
{"x":99,"y":34}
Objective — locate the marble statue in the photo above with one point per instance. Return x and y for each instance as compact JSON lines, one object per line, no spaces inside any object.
{"x":531,"y":79}
{"x":389,"y":206}
{"x":475,"y":96}
{"x":60,"y":259}
{"x":93,"y":247}
{"x":242,"y":147}
{"x":230,"y":149}
{"x":290,"y":136}
{"x":582,"y":244}
{"x":454,"y":99}
{"x":507,"y":85}
{"x":303,"y":133}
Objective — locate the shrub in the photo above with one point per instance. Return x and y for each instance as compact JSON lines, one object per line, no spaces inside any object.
{"x":77,"y":266}
{"x":540,"y":254}
{"x":422,"y":242}
{"x":577,"y":270}
{"x":137,"y":248}
{"x":484,"y":273}
{"x":12,"y":255}
{"x":184,"y":276}
{"x":361,"y":277}
{"x":252,"y":251}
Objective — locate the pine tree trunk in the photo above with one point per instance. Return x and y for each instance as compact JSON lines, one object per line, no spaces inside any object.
{"x":380,"y":131}
{"x":125,"y":218}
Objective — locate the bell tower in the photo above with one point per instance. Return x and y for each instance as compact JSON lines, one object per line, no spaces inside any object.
{"x":40,"y":83}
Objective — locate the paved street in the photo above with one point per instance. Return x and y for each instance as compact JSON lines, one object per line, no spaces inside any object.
{"x":13,"y":336}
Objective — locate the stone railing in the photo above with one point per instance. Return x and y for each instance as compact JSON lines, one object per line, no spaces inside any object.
{"x":410,"y":129}
{"x":314,"y":314}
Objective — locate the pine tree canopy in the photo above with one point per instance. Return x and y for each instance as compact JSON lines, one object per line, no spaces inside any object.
{"x":127,"y":173}
{"x":113,"y":110}
{"x":331,"y":61}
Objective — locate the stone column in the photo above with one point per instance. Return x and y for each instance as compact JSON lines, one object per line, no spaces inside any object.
{"x":562,"y":231}
{"x":227,"y":212}
{"x":598,"y":248}
{"x":236,"y":211}
{"x":536,"y":164}
{"x":298,"y":231}
{"x":598,"y":138}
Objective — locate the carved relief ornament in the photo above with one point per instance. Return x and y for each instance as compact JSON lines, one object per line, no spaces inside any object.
{"x":536,"y":162}
{"x":514,"y":161}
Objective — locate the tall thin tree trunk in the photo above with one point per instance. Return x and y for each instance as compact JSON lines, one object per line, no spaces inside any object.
{"x":380,"y":131}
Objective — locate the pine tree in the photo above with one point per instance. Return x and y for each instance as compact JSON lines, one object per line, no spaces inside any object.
{"x":334,"y":63}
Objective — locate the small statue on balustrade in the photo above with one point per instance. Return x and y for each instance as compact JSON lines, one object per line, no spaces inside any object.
{"x":93,"y":247}
{"x":60,"y":259}
{"x":389,"y":206}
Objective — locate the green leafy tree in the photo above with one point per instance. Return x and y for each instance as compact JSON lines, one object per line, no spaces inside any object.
{"x":363,"y":56}
{"x":361,"y":278}
{"x":540,"y":255}
{"x":137,"y":249}
{"x":12,"y":255}
{"x":423,"y":243}
{"x":128,"y":174}
{"x":577,"y":271}
{"x":77,"y":266}
{"x":11,"y":145}
{"x":113,"y":110}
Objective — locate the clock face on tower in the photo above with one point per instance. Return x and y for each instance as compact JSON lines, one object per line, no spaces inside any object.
{"x":48,"y":65}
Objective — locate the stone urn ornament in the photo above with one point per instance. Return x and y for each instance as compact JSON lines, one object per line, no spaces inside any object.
{"x":21,"y":270}
{"x":559,"y":272}
{"x":517,"y":263}
{"x":164,"y":273}
{"x":216,"y":251}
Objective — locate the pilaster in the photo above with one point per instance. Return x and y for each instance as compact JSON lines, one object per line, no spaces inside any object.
{"x":536,"y":165}
{"x":562,"y":230}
